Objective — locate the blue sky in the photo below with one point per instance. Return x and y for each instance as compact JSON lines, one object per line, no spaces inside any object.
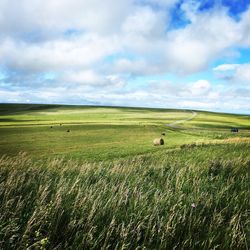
{"x":154,"y":53}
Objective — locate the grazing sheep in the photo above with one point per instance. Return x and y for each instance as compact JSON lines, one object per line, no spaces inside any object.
{"x":158,"y":142}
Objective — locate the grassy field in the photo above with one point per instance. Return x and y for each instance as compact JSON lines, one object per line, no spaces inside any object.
{"x":103,"y":185}
{"x":102,"y":133}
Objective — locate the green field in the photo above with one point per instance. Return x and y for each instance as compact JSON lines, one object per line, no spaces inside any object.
{"x":103,"y":185}
{"x":103,"y":133}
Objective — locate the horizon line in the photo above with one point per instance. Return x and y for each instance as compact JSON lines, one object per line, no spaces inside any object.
{"x":121,"y":106}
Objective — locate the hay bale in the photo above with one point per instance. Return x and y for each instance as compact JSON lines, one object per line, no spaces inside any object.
{"x":158,"y":142}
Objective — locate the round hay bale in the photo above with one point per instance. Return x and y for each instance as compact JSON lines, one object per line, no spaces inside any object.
{"x":158,"y":142}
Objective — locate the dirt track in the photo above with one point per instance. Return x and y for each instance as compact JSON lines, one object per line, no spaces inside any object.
{"x":173,"y":124}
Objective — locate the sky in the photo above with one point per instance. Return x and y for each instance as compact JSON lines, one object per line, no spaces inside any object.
{"x":192,"y":54}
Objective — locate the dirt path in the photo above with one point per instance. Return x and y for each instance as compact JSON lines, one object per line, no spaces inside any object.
{"x":173,"y":124}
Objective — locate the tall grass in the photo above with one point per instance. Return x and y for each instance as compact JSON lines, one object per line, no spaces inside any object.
{"x":185,"y":199}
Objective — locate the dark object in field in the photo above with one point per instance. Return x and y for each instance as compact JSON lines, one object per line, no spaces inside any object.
{"x":163,"y":133}
{"x":60,"y":124}
{"x":234,"y":130}
{"x":158,"y":142}
{"x":68,"y":130}
{"x":191,"y":145}
{"x":51,"y":126}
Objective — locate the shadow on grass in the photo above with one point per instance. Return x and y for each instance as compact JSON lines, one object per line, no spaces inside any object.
{"x":8,"y":109}
{"x":14,"y":120}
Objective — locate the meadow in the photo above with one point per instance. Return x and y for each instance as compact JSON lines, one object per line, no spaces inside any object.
{"x":105,"y":133}
{"x":103,"y":185}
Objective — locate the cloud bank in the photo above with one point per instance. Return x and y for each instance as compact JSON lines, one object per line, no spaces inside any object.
{"x":120,"y":52}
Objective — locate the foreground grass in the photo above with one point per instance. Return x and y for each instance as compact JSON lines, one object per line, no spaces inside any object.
{"x":192,"y":198}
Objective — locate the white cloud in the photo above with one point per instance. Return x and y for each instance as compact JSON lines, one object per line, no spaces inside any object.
{"x":10,"y":96}
{"x":210,"y":34}
{"x":161,"y":3}
{"x":234,"y":73}
{"x":245,"y":28}
{"x":58,"y":54}
{"x":96,"y":47}
{"x":116,"y":81}
{"x":145,"y":22}
{"x":126,"y":28}
{"x":242,"y":74}
{"x":25,"y":16}
{"x":225,"y":67}
{"x":197,"y":104}
{"x":200,"y":87}
{"x":155,"y":94}
{"x":136,"y":67}
{"x":91,"y":78}
{"x":193,"y":90}
{"x":83,"y":77}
